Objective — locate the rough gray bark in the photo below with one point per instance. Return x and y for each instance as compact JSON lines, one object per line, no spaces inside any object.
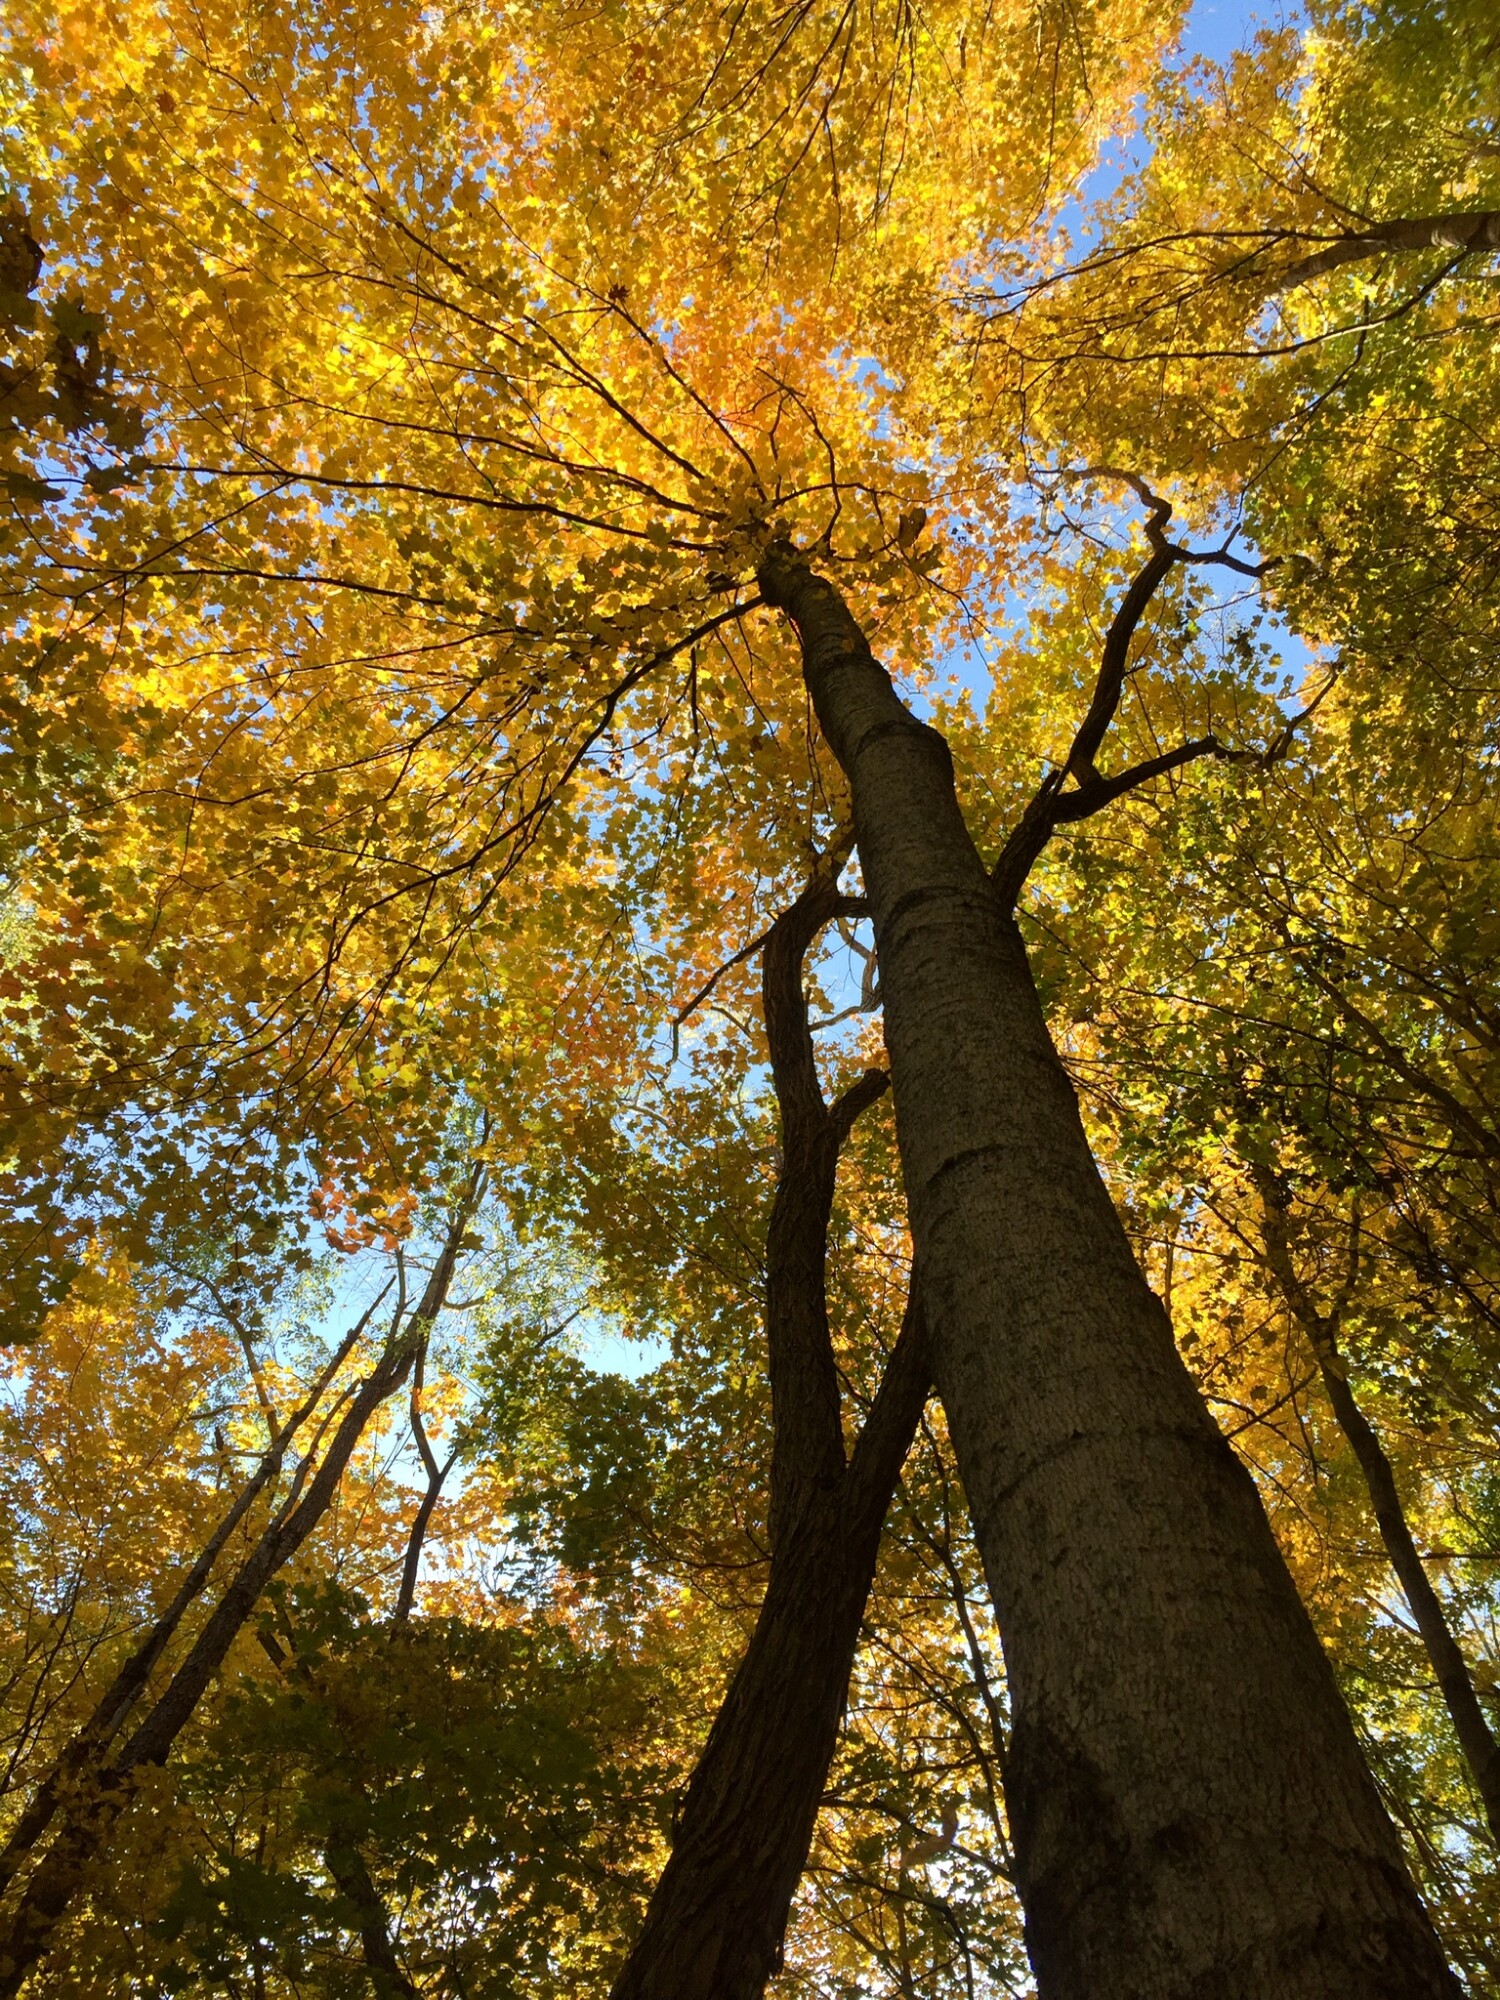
{"x":1190,"y":1810}
{"x":1463,"y":233}
{"x":718,"y":1915}
{"x":1450,"y":1669}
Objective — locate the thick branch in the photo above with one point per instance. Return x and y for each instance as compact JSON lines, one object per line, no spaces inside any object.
{"x":153,"y":1740}
{"x":347,"y":1866}
{"x":1052,"y":806}
{"x":355,"y":1884}
{"x":788,"y":1037}
{"x":886,"y":1434}
{"x":717,"y":1917}
{"x":1049,"y":805}
{"x":718,"y":1914}
{"x":1114,"y":663}
{"x":858,"y":1097}
{"x":1101,"y":792}
{"x":1469,"y":233}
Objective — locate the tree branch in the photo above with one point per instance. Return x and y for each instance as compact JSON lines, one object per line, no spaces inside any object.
{"x":1051,"y":806}
{"x":98,"y":1804}
{"x":1101,"y":792}
{"x":808,"y":1439}
{"x":437,"y":1472}
{"x":92,"y":1739}
{"x":833,"y":857}
{"x":886,"y":1434}
{"x":1450,"y":1669}
{"x":1467,"y":233}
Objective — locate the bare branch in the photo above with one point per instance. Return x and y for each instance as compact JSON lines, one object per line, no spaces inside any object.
{"x":1051,"y":806}
{"x":1093,"y":797}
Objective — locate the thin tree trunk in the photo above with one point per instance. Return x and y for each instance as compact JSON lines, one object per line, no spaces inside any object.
{"x":716,"y":1921}
{"x":1190,"y":1810}
{"x":353,"y":1880}
{"x":1471,"y":1726}
{"x":437,"y":1472}
{"x":92,"y":1738}
{"x":89,"y":1818}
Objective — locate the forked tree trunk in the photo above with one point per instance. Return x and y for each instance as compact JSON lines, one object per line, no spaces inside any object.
{"x":1190,"y":1810}
{"x":718,"y":1915}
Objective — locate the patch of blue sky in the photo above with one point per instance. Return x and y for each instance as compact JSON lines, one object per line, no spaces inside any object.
{"x":1217,"y":28}
{"x":1213,"y":30}
{"x":605,"y":1347}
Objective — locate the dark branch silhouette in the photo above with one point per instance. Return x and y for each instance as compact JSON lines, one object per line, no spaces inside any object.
{"x":1053,"y":804}
{"x":715,"y":1924}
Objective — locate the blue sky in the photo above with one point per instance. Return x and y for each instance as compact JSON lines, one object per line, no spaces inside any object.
{"x":1217,"y":27}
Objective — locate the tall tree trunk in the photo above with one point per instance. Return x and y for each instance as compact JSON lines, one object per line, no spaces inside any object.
{"x":1190,"y":1810}
{"x":718,"y":1915}
{"x":717,"y":1918}
{"x":1450,"y":1669}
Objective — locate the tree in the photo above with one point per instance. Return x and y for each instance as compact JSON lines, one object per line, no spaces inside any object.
{"x":91,"y":1783}
{"x":716,"y":1920}
{"x":631,"y":467}
{"x":1073,"y":1455}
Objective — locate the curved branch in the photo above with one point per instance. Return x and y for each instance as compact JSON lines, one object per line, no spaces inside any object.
{"x":1051,"y":806}
{"x":1093,"y":797}
{"x":808,"y":1439}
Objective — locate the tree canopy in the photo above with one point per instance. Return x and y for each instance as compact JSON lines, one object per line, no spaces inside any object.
{"x":537,"y":1118}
